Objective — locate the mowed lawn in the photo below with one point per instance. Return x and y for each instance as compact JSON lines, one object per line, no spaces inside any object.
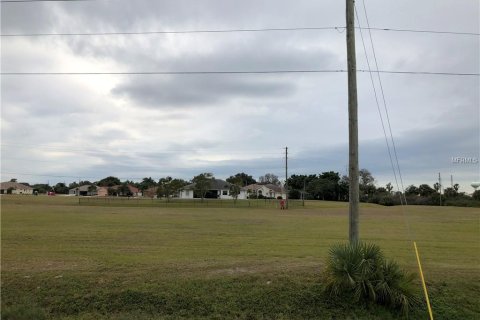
{"x":65,"y":261}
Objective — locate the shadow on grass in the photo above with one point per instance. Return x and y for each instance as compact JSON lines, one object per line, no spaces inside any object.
{"x":234,"y":298}
{"x":22,"y":312}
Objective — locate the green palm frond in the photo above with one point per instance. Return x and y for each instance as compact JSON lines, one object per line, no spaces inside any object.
{"x":361,"y":271}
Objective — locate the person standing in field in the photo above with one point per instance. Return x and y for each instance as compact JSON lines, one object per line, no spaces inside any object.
{"x":282,"y":204}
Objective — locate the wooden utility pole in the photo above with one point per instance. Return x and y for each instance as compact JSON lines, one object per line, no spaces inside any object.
{"x":286,"y":177}
{"x":352,"y":124}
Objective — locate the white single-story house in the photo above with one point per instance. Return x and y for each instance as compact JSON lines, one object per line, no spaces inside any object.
{"x":15,"y":188}
{"x":84,"y":190}
{"x":265,"y":190}
{"x":220,"y":189}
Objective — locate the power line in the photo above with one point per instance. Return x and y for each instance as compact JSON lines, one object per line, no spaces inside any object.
{"x":171,"y":32}
{"x":421,"y":72}
{"x":197,"y":152}
{"x":377,"y":102}
{"x":338,"y":28}
{"x":422,"y":31}
{"x":66,"y":176}
{"x":23,"y":1}
{"x":47,"y":175}
{"x":385,"y":107}
{"x":438,"y":73}
{"x":402,"y":191}
{"x":173,"y":72}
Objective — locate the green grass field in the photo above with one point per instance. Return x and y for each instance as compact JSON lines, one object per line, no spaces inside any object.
{"x":65,"y":261}
{"x":184,"y":203}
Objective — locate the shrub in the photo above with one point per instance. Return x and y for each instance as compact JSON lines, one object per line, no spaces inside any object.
{"x":387,"y":201}
{"x":462,"y":202}
{"x":360,"y":271}
{"x":395,"y":288}
{"x":476,"y":195}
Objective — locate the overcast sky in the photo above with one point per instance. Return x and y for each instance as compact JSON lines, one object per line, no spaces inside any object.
{"x":133,"y":126}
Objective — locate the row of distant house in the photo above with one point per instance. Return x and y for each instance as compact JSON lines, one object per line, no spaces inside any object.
{"x":93,"y":190}
{"x":219,"y":189}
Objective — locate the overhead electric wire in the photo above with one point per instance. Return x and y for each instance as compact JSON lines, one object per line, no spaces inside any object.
{"x":377,"y":102}
{"x":385,"y":105}
{"x":421,"y":72}
{"x":422,"y":31}
{"x":196,"y":152}
{"x":23,"y":1}
{"x":174,"y":72}
{"x":170,"y":32}
{"x":66,"y":176}
{"x":112,"y":33}
{"x":234,"y":72}
{"x":402,"y":191}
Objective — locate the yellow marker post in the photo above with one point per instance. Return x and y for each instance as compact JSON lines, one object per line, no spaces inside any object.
{"x":423,"y":281}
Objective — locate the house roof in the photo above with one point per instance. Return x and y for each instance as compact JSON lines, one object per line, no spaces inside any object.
{"x":152,"y":189}
{"x":130,"y":187}
{"x":253,"y":187}
{"x":83,"y":188}
{"x":216,"y":184}
{"x":133,"y":189}
{"x":275,"y":187}
{"x":272,"y":187}
{"x":14,"y":185}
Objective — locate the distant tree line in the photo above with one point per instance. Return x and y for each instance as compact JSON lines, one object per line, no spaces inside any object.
{"x":331,"y":187}
{"x":328,"y":185}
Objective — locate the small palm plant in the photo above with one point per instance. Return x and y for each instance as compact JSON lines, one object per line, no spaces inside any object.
{"x":395,"y":288}
{"x":360,"y":270}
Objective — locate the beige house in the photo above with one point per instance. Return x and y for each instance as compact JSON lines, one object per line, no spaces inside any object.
{"x":102,"y":191}
{"x":85,"y":190}
{"x":15,"y":188}
{"x":133,"y":191}
{"x":264,"y":190}
{"x":150,"y":192}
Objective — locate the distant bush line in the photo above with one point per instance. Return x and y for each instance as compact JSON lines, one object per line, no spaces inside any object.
{"x":330,"y":186}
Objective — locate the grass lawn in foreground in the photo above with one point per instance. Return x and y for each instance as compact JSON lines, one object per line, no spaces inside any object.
{"x":64,"y":261}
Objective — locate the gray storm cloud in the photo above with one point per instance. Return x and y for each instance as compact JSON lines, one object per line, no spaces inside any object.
{"x":131,"y":125}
